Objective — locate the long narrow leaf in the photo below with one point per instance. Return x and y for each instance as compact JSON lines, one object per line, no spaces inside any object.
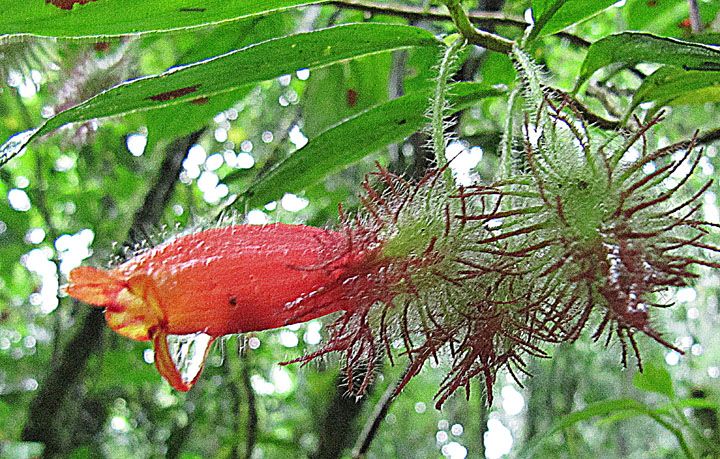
{"x":618,"y":410}
{"x":230,"y":71}
{"x":119,"y":17}
{"x":553,"y":16}
{"x":354,"y":138}
{"x":671,"y":86}
{"x":603,"y":408}
{"x":629,"y":48}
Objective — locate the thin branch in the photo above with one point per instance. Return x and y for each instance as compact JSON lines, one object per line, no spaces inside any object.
{"x":47,"y":406}
{"x":695,"y":21}
{"x":479,"y":18}
{"x":362,"y":445}
{"x":472,"y":34}
{"x":416,"y":13}
{"x":603,"y":94}
{"x":39,"y":197}
{"x":181,"y":431}
{"x":338,"y":423}
{"x":705,"y":138}
{"x":241,"y":368}
{"x":252,"y":416}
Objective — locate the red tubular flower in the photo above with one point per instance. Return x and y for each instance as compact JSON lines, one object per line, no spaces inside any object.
{"x":220,"y":281}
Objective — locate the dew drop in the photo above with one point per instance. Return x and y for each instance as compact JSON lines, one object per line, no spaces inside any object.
{"x":188,"y":353}
{"x":15,"y":145}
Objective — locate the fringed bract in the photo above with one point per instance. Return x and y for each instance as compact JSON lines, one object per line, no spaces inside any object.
{"x":576,"y":229}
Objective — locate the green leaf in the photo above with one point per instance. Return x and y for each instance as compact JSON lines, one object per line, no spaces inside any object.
{"x":696,"y":403}
{"x":83,"y":452}
{"x":107,"y":18}
{"x":258,"y":62}
{"x":498,"y":69}
{"x":654,"y":378}
{"x":342,"y":90}
{"x":671,"y":86}
{"x":5,"y":415}
{"x":542,"y":12}
{"x":553,"y":16}
{"x":603,"y":408}
{"x":354,"y":138}
{"x":162,"y":123}
{"x":629,"y":48}
{"x":123,"y":368}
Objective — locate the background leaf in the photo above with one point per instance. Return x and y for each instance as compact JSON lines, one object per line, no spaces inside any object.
{"x":603,"y":408}
{"x":162,"y":123}
{"x":568,"y":12}
{"x":668,"y":18}
{"x":654,"y":378}
{"x":352,"y":139}
{"x":224,"y":73}
{"x":669,"y":85}
{"x":629,"y":48}
{"x":104,"y":18}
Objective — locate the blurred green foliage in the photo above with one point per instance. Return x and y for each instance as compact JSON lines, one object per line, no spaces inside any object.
{"x":73,"y":195}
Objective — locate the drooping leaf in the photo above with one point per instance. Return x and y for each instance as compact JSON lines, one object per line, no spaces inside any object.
{"x":629,"y":48}
{"x":617,"y":410}
{"x":603,"y":408}
{"x":107,"y":18}
{"x":694,"y":403}
{"x":354,"y":138}
{"x":672,"y":86}
{"x":163,"y":123}
{"x":654,"y":378}
{"x":552,"y":16}
{"x":259,"y":62}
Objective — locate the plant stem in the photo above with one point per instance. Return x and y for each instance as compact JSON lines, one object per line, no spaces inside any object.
{"x":373,"y":423}
{"x":439,"y":106}
{"x":419,"y":13}
{"x":676,"y":432}
{"x":475,"y":36}
{"x":695,"y":22}
{"x":479,"y":18}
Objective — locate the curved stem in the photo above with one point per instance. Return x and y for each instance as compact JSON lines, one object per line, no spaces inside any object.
{"x":676,"y":432}
{"x":478,"y":18}
{"x":373,"y":423}
{"x":473,"y":35}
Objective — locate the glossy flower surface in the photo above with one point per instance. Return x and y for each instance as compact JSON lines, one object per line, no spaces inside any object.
{"x":219,"y":281}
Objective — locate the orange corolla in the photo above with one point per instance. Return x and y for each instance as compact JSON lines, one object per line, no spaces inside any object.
{"x":220,"y":281}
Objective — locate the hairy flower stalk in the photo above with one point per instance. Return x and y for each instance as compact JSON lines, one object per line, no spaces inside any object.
{"x":428,"y":290}
{"x":575,"y":230}
{"x":578,"y":228}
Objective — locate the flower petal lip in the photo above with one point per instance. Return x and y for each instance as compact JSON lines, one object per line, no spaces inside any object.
{"x":219,"y":281}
